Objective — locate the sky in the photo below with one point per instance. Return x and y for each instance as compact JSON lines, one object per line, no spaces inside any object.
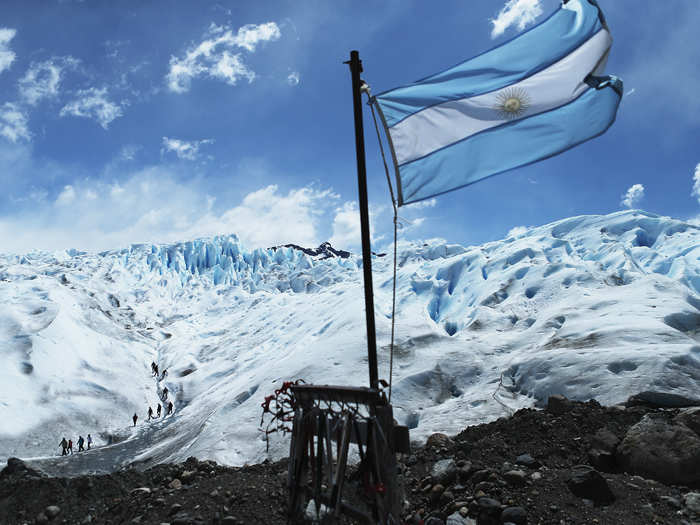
{"x":160,"y":121}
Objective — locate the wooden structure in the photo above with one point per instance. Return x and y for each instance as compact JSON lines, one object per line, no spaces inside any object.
{"x":327,"y":420}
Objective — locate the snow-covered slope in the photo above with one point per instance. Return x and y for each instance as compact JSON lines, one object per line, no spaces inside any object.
{"x":592,"y":306}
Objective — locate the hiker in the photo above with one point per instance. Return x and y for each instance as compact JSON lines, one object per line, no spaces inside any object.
{"x":135,"y":418}
{"x":165,"y":373}
{"x":80,"y":444}
{"x":165,"y":393}
{"x":158,"y":410}
{"x":70,"y":446}
{"x":150,"y":413}
{"x":153,"y":367}
{"x":89,"y":441}
{"x":170,"y":407}
{"x":155,"y":371}
{"x":64,"y":445}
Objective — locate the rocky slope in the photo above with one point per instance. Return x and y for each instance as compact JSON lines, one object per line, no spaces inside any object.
{"x":535,"y":467}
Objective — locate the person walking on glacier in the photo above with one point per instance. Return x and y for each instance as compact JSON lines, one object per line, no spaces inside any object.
{"x":158,"y":410}
{"x":155,"y":371}
{"x":170,"y":407}
{"x":153,"y":367}
{"x":81,"y":441}
{"x":165,"y":393}
{"x":70,"y":446}
{"x":150,"y":413}
{"x":135,"y":418}
{"x":89,"y":441}
{"x":64,"y":445}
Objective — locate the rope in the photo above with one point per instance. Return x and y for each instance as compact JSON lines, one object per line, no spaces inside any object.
{"x":371,"y":102}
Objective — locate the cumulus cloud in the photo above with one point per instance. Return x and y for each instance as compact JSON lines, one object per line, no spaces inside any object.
{"x":43,"y":79}
{"x":96,"y":215}
{"x":633,"y":196}
{"x":520,"y":13}
{"x":13,"y":123}
{"x":293,"y":78}
{"x":184,"y":149}
{"x":94,"y":103}
{"x":216,"y":57}
{"x":696,"y":183}
{"x":346,"y":226}
{"x":6,"y":55}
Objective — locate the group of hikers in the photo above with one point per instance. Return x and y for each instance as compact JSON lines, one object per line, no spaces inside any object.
{"x":163,"y":396}
{"x":67,"y":446}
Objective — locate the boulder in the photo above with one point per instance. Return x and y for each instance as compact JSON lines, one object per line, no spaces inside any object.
{"x":489,"y":512}
{"x":662,"y":450}
{"x":444,"y":471}
{"x":438,"y":440}
{"x":586,"y":482}
{"x":516,"y":515}
{"x":661,"y":400}
{"x":692,"y":501}
{"x":690,"y":417}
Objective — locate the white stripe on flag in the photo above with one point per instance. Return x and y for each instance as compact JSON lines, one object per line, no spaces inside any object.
{"x":441,"y":125}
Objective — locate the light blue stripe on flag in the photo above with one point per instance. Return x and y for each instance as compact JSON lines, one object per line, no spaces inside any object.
{"x":564,"y":31}
{"x":516,"y":144}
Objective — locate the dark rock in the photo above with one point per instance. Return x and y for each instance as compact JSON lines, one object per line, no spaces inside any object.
{"x":434,"y":521}
{"x":41,"y":518}
{"x":605,"y":440}
{"x":480,"y":475}
{"x":558,"y":405}
{"x":17,"y":467}
{"x":527,"y":460}
{"x":690,"y":417}
{"x":602,"y":460}
{"x":436,"y":493}
{"x":489,"y":512}
{"x":657,"y":449}
{"x":52,"y":511}
{"x":661,"y":400}
{"x":586,"y":482}
{"x":515,"y":477}
{"x":176,"y":507}
{"x":516,"y":515}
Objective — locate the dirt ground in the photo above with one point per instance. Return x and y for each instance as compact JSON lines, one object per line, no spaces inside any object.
{"x":484,"y":457}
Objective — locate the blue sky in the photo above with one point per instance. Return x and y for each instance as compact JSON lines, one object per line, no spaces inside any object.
{"x":168,"y":120}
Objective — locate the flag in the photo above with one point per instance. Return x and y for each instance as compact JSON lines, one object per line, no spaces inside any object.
{"x":528,"y":99}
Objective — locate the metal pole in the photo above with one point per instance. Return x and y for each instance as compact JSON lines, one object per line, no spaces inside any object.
{"x":356,"y":69}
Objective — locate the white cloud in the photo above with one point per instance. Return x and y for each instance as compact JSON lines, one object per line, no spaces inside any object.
{"x":93,"y":103}
{"x":215,"y":55}
{"x":633,"y":196}
{"x":184,"y":149}
{"x":347,"y":232}
{"x":516,"y":12}
{"x":696,"y":183}
{"x":66,"y":197}
{"x":6,"y":56}
{"x":13,"y":123}
{"x":129,"y":151}
{"x":293,"y":78}
{"x":43,"y":79}
{"x":153,"y":205}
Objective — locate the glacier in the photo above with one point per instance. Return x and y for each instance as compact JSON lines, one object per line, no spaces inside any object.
{"x":599,"y":306}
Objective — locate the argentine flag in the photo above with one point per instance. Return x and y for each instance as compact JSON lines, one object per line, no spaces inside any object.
{"x":530,"y":98}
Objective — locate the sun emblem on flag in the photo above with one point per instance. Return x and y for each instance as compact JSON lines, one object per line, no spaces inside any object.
{"x":512,"y":103}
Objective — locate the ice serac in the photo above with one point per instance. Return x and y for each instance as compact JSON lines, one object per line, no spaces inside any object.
{"x":590,"y":306}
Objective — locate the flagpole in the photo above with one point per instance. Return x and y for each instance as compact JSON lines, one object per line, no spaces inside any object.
{"x":355,"y":69}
